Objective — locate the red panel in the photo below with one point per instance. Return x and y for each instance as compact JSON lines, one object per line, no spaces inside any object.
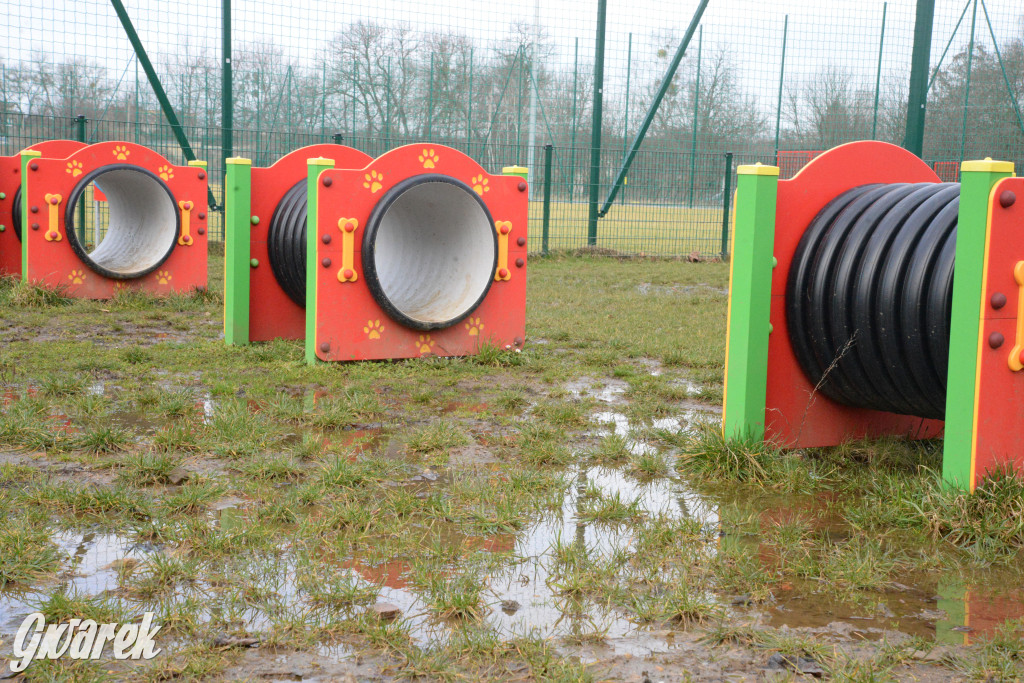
{"x":54,"y":263}
{"x":347,"y":316}
{"x":10,"y":179}
{"x":795,"y":416}
{"x":272,"y":315}
{"x":1001,"y":391}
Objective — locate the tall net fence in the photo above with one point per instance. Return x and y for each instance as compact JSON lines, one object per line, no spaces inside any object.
{"x":770,"y":82}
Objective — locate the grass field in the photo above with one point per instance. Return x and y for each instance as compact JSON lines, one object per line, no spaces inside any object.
{"x":567,"y":513}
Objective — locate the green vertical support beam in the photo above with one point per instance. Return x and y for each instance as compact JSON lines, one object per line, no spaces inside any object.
{"x":227,"y":103}
{"x":750,"y":285}
{"x":967,"y":85}
{"x":782,"y":79}
{"x":625,"y":118}
{"x":696,"y":108}
{"x":572,"y":143}
{"x":313,"y":170}
{"x":469,"y":107}
{"x":26,"y":158}
{"x":878,"y":73}
{"x":596,"y":121}
{"x":976,"y":181}
{"x":918,"y":95}
{"x":548,"y":149}
{"x":430,"y":100}
{"x":80,"y":135}
{"x":237,"y":227}
{"x":726,"y":198}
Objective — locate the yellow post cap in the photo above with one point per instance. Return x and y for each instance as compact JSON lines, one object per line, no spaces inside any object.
{"x":757,"y":169}
{"x":515,"y":170}
{"x":987,"y":165}
{"x":197,"y":163}
{"x":240,"y":161}
{"x":320,"y":161}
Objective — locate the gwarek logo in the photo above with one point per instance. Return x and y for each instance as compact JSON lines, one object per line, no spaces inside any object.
{"x":82,"y":639}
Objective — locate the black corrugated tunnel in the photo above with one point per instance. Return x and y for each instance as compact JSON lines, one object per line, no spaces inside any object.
{"x":143,"y":222}
{"x":869,"y":297}
{"x":429,"y":252}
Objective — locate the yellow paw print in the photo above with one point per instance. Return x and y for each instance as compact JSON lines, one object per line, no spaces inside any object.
{"x":480,"y":185}
{"x":163,"y":277}
{"x":77,"y":277}
{"x":425,"y":343}
{"x":429,"y":159}
{"x":74,"y":168}
{"x":373,"y":329}
{"x":373,"y":181}
{"x":166,"y":172}
{"x":474,"y":326}
{"x":121,"y":152}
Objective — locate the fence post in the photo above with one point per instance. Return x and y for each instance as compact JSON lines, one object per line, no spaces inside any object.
{"x":595,"y":132}
{"x":696,"y":103}
{"x":80,"y":122}
{"x":227,"y":103}
{"x":572,"y":144}
{"x":548,"y":149}
{"x":967,"y":86}
{"x":918,"y":95}
{"x":726,"y":200}
{"x":337,"y":138}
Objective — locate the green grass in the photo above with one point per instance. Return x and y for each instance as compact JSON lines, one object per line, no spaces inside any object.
{"x":269,"y":498}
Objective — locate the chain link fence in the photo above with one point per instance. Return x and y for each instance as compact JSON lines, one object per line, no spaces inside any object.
{"x":770,"y":82}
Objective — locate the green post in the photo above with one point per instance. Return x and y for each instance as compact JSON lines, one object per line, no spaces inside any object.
{"x":237,"y":227}
{"x":918,"y":95}
{"x":726,"y":198}
{"x":469,"y":107}
{"x":314,"y":168}
{"x":878,"y":74}
{"x":967,"y":85}
{"x":337,"y":138}
{"x":430,"y":100}
{"x":548,"y":149}
{"x":26,"y":158}
{"x":595,"y":131}
{"x":80,"y":135}
{"x":782,"y":78}
{"x":572,"y":144}
{"x":696,"y":102}
{"x":227,"y":106}
{"x":625,"y":118}
{"x":323,"y":102}
{"x":976,"y":181}
{"x":750,"y":284}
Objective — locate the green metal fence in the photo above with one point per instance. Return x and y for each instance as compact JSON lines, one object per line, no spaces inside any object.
{"x":770,"y":82}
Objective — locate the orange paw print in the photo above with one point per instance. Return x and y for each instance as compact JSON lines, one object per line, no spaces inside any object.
{"x":163,"y":277}
{"x":425,"y":343}
{"x":77,"y":277}
{"x":74,"y":168}
{"x":166,"y":172}
{"x":479,"y":184}
{"x":373,"y":181}
{"x":373,"y":329}
{"x":121,"y":152}
{"x":429,"y":159}
{"x":474,"y":326}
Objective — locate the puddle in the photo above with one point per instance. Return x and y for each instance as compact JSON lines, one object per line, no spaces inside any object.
{"x":617,"y":423}
{"x":610,"y":391}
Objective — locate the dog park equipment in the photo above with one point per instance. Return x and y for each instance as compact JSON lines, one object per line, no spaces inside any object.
{"x":265,"y":213}
{"x":155,"y":236}
{"x":10,"y":201}
{"x":845,"y":320}
{"x":418,"y":252}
